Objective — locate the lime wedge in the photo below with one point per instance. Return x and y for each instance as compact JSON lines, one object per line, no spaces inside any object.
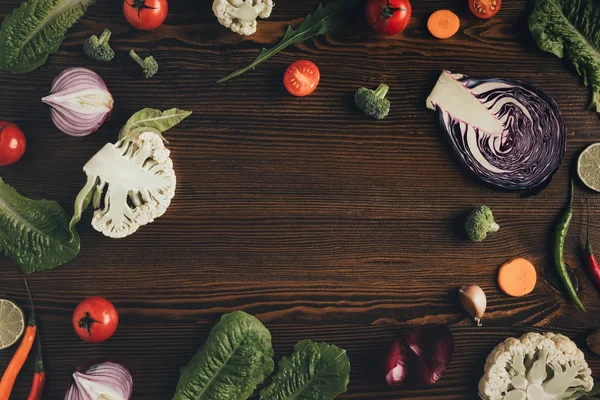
{"x":12,"y":323}
{"x":588,"y":167}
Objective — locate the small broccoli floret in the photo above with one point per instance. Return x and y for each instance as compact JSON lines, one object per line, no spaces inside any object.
{"x":479,"y":223}
{"x":373,"y":102}
{"x":98,"y":48}
{"x":148,"y":64}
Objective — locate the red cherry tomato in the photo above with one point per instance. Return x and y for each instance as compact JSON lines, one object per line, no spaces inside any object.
{"x":388,"y":16}
{"x":145,"y":14}
{"x":302,"y":78}
{"x":12,"y":143}
{"x":95,"y":320}
{"x":485,"y":8}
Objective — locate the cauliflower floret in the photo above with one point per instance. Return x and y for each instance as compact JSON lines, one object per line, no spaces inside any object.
{"x":535,"y":367}
{"x":130,"y":183}
{"x":240,"y":15}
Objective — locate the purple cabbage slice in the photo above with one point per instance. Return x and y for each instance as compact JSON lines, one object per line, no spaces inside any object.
{"x":509,"y":133}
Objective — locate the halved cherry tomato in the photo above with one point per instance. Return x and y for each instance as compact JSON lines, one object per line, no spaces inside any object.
{"x":485,"y":8}
{"x":388,"y":16}
{"x":301,"y":78}
{"x":95,"y":320}
{"x":145,"y":15}
{"x":12,"y":143}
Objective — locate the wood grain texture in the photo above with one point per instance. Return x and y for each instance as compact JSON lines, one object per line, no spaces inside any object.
{"x":325,"y":225}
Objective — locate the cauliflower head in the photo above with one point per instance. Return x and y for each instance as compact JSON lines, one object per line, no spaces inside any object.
{"x":240,"y":15}
{"x":129,"y":183}
{"x":535,"y":367}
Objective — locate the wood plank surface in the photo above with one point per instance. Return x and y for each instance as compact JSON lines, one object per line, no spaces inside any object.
{"x":322,"y":223}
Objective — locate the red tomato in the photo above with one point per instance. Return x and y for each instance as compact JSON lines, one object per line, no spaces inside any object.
{"x":388,"y":16}
{"x":302,"y":78}
{"x":95,"y":320}
{"x":12,"y":143}
{"x":485,"y":8}
{"x":145,"y":14}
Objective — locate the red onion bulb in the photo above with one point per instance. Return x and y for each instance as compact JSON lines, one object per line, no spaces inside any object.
{"x":106,"y":381}
{"x":80,"y":101}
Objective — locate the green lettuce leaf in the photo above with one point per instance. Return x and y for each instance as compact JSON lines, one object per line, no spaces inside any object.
{"x":34,"y":234}
{"x":571,"y":29}
{"x":235,"y":358}
{"x":150,"y":118}
{"x":314,"y":371}
{"x":35,"y":30}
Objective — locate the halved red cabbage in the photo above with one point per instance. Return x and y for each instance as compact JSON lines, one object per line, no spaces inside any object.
{"x":507,"y":132}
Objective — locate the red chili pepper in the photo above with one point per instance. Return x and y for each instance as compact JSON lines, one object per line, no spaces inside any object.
{"x":592,"y":263}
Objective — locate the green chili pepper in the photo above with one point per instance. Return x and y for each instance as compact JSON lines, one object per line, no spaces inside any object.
{"x":559,"y":249}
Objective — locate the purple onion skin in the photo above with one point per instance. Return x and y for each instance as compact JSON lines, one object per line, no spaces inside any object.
{"x":70,"y":121}
{"x":122,"y":380}
{"x":420,"y":358}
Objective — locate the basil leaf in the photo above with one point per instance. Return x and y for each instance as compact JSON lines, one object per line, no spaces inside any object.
{"x":160,"y":121}
{"x":36,"y":29}
{"x":235,"y":358}
{"x":318,"y":23}
{"x":35,"y":234}
{"x":571,"y":29}
{"x":313,"y":371}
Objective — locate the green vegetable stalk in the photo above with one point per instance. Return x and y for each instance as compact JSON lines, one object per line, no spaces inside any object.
{"x":318,"y":23}
{"x":560,"y":235}
{"x":149,"y":64}
{"x":480,"y":223}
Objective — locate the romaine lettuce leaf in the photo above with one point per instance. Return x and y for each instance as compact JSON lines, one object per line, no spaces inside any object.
{"x":34,"y":234}
{"x":314,"y":371}
{"x":235,"y":358}
{"x":571,"y":29}
{"x":35,"y":30}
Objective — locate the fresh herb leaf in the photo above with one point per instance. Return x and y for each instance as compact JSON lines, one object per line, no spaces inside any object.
{"x":155,"y":119}
{"x":35,"y":234}
{"x":313,"y":371}
{"x":318,"y":23}
{"x":36,"y":29}
{"x":235,"y":358}
{"x":571,"y":29}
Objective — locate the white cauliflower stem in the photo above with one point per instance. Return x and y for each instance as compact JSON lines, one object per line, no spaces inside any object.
{"x":535,"y":367}
{"x":130,"y":183}
{"x":240,"y":15}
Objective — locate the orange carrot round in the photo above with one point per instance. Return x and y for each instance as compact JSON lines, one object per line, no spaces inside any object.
{"x":443,"y":24}
{"x":517,"y":277}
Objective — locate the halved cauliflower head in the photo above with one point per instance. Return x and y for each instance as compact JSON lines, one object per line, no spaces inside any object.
{"x":130,"y":183}
{"x":240,"y":15}
{"x":535,"y":367}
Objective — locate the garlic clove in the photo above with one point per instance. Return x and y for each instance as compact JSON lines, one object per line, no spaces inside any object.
{"x":474,"y":301}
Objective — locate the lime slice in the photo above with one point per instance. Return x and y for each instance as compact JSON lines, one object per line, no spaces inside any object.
{"x":588,"y":167}
{"x":12,"y":323}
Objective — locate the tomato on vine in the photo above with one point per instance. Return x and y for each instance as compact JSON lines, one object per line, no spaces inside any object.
{"x":95,"y":320}
{"x":145,"y":14}
{"x":388,"y":16}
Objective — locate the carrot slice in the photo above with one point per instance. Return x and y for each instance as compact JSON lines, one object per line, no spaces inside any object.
{"x":517,"y":277}
{"x":443,"y":24}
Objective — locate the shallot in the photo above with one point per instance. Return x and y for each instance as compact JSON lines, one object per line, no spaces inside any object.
{"x":80,"y":101}
{"x":474,"y":301}
{"x":107,"y":380}
{"x":421,"y":357}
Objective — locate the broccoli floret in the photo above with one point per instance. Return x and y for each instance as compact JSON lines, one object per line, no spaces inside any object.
{"x":148,"y":64}
{"x":373,"y":102}
{"x":98,"y":48}
{"x":479,"y":223}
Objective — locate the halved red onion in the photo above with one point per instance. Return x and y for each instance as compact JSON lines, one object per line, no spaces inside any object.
{"x":80,"y":101}
{"x":107,"y":380}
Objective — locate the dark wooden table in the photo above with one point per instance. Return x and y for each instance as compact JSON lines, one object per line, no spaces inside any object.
{"x":322,"y":223}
